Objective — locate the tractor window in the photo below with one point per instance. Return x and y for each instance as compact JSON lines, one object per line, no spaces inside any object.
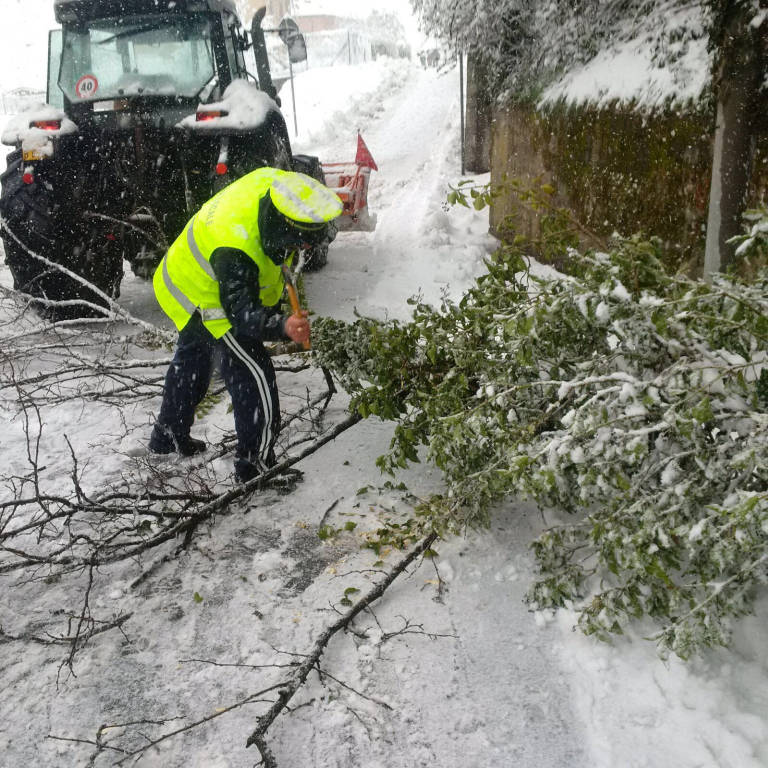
{"x":161,"y":54}
{"x":54,"y":96}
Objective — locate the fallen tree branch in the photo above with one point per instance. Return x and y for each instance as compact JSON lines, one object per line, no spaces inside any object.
{"x":120,"y":536}
{"x":286,"y":692}
{"x":134,"y":753}
{"x":65,"y":639}
{"x":323,"y":673}
{"x":285,"y":689}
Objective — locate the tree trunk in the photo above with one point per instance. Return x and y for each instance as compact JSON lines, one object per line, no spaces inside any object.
{"x":479,"y":111}
{"x":740,"y":78}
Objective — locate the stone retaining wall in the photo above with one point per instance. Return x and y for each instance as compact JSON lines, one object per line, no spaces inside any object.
{"x":618,"y":170}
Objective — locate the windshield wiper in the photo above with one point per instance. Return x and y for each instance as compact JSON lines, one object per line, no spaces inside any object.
{"x":134,"y":31}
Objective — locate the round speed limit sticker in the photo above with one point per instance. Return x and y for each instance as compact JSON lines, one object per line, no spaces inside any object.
{"x":86,"y":86}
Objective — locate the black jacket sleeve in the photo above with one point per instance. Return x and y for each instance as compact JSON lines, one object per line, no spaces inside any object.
{"x":238,"y":278}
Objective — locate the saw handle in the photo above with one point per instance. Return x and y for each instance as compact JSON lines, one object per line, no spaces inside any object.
{"x":293,"y":298}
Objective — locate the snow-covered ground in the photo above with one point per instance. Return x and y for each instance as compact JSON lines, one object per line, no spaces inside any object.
{"x":477,"y":681}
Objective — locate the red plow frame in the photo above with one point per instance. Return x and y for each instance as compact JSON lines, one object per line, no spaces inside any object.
{"x":350,"y":182}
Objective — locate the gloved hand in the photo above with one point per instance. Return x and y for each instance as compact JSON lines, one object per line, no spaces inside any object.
{"x":297,"y":327}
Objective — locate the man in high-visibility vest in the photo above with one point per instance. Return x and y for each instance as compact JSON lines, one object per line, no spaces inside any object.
{"x":220,"y":283}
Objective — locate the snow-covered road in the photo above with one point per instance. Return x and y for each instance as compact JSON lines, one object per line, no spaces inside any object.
{"x":491,"y":695}
{"x":411,"y":126}
{"x":264,"y":578}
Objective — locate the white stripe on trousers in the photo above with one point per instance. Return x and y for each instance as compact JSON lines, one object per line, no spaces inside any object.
{"x":263,"y":388}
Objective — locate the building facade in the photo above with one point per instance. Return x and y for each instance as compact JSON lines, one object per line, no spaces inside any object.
{"x":276,"y":9}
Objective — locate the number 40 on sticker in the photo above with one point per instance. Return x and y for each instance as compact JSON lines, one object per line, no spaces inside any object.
{"x":86,"y":86}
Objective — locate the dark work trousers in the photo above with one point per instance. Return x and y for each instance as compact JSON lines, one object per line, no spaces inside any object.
{"x":250,"y":380}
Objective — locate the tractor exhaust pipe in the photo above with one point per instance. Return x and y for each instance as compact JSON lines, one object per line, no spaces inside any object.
{"x":260,"y":54}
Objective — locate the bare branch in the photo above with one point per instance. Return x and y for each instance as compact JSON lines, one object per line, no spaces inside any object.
{"x":286,"y":693}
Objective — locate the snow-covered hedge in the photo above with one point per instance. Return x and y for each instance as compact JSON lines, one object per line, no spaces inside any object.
{"x":634,"y":400}
{"x":647,"y":54}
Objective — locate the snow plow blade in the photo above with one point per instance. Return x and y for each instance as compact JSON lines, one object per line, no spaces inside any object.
{"x":350,"y":182}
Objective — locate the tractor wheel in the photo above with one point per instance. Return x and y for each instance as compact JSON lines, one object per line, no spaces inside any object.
{"x":36,"y":224}
{"x":316,"y":258}
{"x":277,"y":145}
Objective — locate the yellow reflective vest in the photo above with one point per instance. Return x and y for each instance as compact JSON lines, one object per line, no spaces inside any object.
{"x":185,"y":281}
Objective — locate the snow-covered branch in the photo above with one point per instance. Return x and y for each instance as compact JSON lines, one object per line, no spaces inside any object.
{"x":635,"y":400}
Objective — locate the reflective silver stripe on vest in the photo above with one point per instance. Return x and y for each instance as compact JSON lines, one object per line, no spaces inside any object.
{"x":309,"y":213}
{"x":212,"y":314}
{"x":175,"y":292}
{"x":202,"y":262}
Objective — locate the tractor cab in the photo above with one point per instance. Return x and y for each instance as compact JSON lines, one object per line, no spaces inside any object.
{"x":110,"y":54}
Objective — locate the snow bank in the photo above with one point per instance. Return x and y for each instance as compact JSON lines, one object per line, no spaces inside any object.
{"x":335,"y":101}
{"x":703,"y":713}
{"x":409,"y":119}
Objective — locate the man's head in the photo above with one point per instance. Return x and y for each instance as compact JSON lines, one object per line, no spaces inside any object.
{"x":295,"y":214}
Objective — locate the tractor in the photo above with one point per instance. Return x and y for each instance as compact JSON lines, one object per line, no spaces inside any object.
{"x":151,"y":110}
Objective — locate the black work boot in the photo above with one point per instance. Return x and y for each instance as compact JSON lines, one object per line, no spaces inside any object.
{"x":164,"y":441}
{"x":246,"y":469}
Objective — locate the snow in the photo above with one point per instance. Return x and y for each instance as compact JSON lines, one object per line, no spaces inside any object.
{"x":602,"y":312}
{"x":479,"y":680}
{"x":640,"y":713}
{"x":23,"y":52}
{"x":414,"y":142}
{"x":628,"y":72}
{"x":244,"y":107}
{"x":20,"y":129}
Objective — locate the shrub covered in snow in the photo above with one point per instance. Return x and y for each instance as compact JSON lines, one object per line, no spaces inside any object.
{"x":754,"y":242}
{"x":635,"y":400}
